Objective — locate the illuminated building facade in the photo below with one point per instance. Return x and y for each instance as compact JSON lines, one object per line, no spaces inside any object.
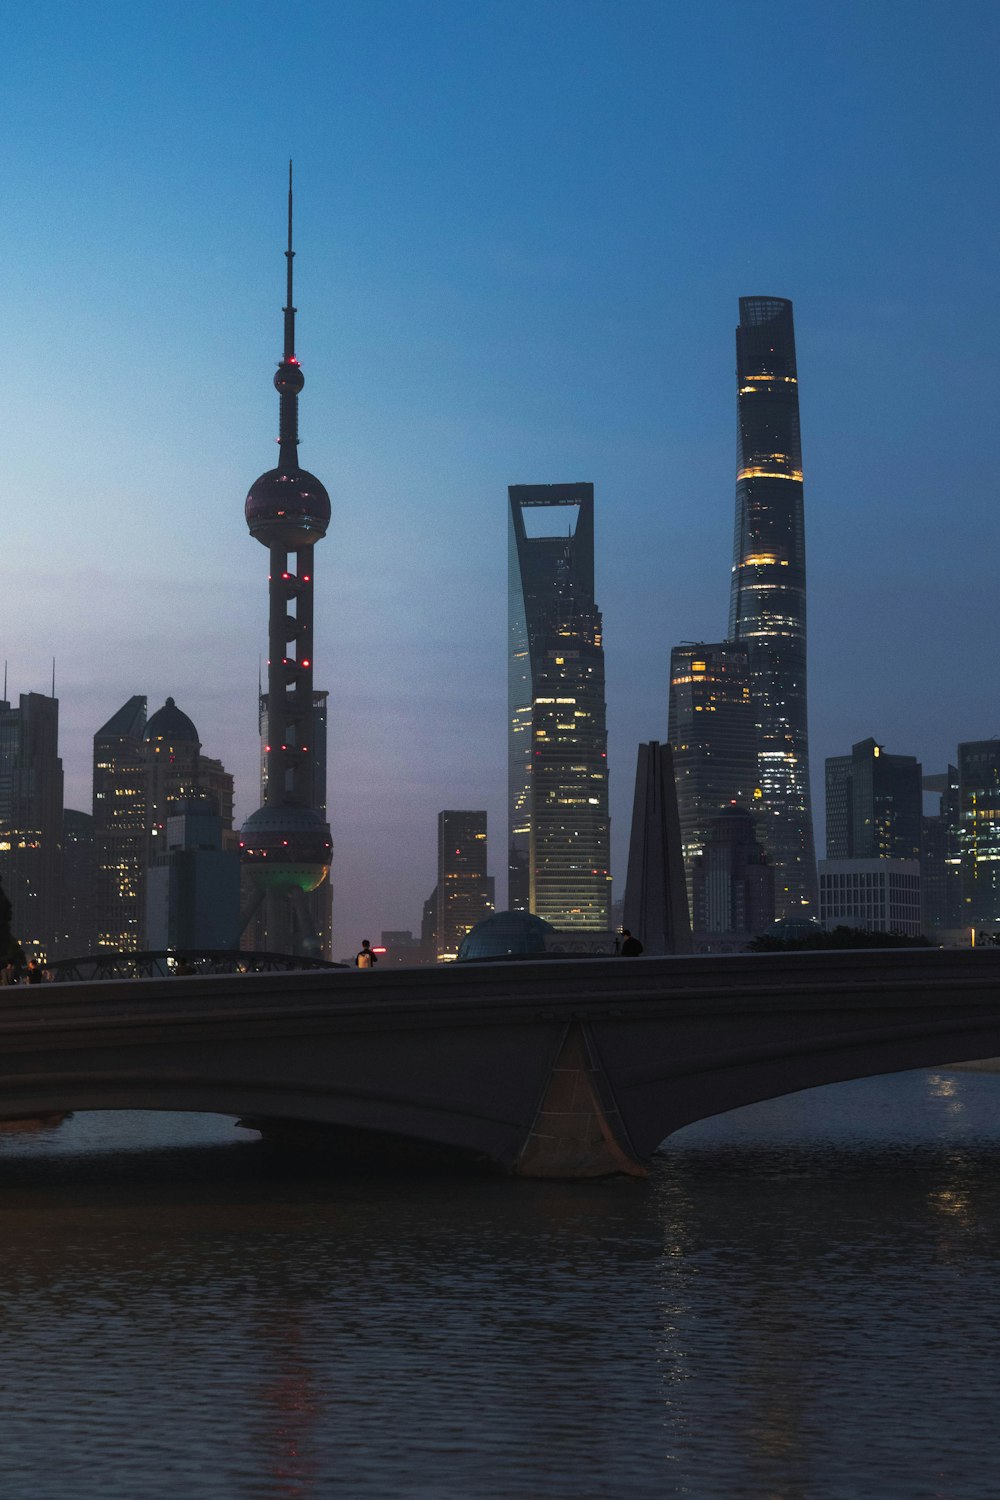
{"x":286,"y":843}
{"x":464,"y":890}
{"x":712,"y":731}
{"x":979,"y":832}
{"x":768,"y":594}
{"x":874,"y":804}
{"x":31,"y":810}
{"x":142,"y":772}
{"x":559,"y":828}
{"x":120,"y":838}
{"x":941,"y":857}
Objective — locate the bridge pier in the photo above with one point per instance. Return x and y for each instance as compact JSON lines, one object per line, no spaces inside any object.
{"x":578,"y":1130}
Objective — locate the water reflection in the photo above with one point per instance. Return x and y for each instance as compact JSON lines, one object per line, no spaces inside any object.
{"x":800,"y":1303}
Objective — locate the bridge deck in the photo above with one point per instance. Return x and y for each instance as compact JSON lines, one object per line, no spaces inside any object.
{"x":568,"y":1066}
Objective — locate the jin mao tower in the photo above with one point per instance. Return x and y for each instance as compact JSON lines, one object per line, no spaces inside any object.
{"x":768,"y":596}
{"x":286,"y":843}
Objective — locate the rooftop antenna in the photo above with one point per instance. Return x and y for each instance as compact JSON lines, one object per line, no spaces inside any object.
{"x":5,"y":681}
{"x":53,"y":677}
{"x":289,"y":310}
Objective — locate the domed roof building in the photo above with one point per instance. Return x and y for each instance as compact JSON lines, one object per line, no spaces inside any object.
{"x":505,"y":933}
{"x":170,"y":723}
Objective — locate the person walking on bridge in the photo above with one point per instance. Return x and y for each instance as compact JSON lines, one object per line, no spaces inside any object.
{"x":365,"y":959}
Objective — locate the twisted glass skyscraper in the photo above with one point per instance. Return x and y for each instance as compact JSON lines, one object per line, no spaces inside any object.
{"x":768,"y":599}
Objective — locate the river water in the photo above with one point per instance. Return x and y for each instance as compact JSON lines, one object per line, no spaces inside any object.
{"x":801,"y":1303}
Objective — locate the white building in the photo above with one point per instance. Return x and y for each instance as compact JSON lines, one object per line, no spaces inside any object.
{"x":880,"y":895}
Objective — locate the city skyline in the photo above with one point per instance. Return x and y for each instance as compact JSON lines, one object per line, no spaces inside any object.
{"x":566,"y":309}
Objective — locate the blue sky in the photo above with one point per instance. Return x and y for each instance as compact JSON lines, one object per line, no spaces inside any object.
{"x":522,"y":230}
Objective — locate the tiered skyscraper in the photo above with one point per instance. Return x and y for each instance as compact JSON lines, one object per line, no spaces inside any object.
{"x":768,"y":597}
{"x":286,"y":844}
{"x":558,"y":766}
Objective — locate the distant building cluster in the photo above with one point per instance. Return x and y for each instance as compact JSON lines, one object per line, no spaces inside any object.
{"x":152,"y":865}
{"x":721,"y":846}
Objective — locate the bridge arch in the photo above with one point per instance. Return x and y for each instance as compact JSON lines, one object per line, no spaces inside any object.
{"x":569,"y":1067}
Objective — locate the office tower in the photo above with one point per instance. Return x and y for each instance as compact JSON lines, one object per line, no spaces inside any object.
{"x":120,"y":828}
{"x":171,"y":750}
{"x":286,"y":843}
{"x":77,"y":924}
{"x":142,"y":771}
{"x":880,"y":895}
{"x":874,"y":804}
{"x":559,"y":829}
{"x":711,"y":728}
{"x":464,"y":890}
{"x":733,"y":885}
{"x":193,"y":884}
{"x":274,"y":928}
{"x":655,"y":908}
{"x":979,"y":832}
{"x":31,"y":810}
{"x":941,"y":857}
{"x":768,"y":597}
{"x":428,"y":928}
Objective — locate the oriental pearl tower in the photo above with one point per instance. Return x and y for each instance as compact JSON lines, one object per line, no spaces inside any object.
{"x":285,"y":845}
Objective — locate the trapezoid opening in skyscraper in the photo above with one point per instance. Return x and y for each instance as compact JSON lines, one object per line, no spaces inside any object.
{"x":559,"y":828}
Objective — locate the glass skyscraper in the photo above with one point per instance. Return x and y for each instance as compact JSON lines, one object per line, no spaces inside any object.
{"x":874,"y":804}
{"x":558,"y":765}
{"x":711,"y":729}
{"x":464,"y":890}
{"x":768,"y":597}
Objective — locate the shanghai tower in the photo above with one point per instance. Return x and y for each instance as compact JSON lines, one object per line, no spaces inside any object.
{"x":286,"y":844}
{"x":767,"y":610}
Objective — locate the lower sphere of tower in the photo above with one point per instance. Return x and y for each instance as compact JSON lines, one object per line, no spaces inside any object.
{"x":288,"y":507}
{"x":286,"y":848}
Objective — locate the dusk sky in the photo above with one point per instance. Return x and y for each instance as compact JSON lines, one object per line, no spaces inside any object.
{"x":522,"y":230}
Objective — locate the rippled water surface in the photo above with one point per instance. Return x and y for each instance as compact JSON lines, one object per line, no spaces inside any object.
{"x":802,"y":1302}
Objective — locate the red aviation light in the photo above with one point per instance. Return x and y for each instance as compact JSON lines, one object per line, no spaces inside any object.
{"x":286,"y":576}
{"x":306,"y":662}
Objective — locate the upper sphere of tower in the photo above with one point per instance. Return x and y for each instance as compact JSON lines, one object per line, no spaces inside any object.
{"x":288,"y":507}
{"x":288,"y":378}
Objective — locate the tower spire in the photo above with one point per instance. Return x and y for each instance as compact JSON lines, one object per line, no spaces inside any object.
{"x":289,"y":310}
{"x":288,"y":379}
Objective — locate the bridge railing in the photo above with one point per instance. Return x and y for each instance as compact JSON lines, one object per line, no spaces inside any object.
{"x":163,"y":964}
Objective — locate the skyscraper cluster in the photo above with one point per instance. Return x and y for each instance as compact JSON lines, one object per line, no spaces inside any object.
{"x":82,"y":882}
{"x":737,"y":716}
{"x":890,"y":866}
{"x":722,"y":839}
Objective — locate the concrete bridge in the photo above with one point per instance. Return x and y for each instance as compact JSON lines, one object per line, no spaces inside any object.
{"x":547,"y":1068}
